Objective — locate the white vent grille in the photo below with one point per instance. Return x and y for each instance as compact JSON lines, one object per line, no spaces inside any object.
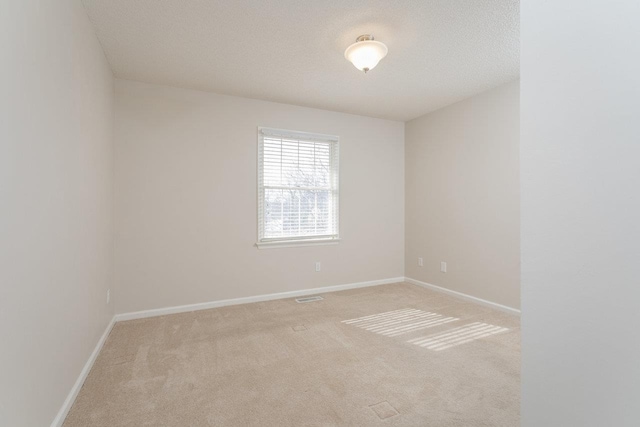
{"x":309,"y":299}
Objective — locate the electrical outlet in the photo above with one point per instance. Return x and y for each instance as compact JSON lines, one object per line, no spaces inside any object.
{"x":108,"y":296}
{"x":443,"y":266}
{"x":318,"y":266}
{"x":420,"y":262}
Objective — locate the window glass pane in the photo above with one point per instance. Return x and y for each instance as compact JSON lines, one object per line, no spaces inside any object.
{"x":293,"y":163}
{"x":290,"y":213}
{"x":298,"y":180}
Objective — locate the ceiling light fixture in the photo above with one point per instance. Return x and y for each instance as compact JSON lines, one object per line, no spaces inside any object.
{"x":365,"y":53}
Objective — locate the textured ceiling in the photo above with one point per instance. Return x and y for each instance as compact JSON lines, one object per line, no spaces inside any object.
{"x":291,"y":51}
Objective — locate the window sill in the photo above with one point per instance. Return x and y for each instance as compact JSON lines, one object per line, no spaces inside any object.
{"x":296,"y":243}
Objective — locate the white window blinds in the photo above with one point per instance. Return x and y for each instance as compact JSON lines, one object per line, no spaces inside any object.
{"x":297,"y":186}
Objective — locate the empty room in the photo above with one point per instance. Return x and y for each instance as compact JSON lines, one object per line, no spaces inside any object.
{"x":329,"y":213}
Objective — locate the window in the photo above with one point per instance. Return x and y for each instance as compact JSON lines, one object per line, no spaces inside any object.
{"x":297,"y":188}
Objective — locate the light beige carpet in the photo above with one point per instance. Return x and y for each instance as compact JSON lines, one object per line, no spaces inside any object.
{"x":391,"y":355}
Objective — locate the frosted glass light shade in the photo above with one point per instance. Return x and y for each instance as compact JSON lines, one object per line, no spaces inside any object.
{"x":366,"y":54}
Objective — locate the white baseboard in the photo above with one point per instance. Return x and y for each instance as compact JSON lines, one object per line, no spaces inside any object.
{"x":247,"y":300}
{"x":461,"y":295}
{"x":71,"y":397}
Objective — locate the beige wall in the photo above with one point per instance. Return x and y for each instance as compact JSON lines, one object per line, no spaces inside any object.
{"x":56,"y":235}
{"x":580,"y":183}
{"x":462,"y":196}
{"x":186,"y":199}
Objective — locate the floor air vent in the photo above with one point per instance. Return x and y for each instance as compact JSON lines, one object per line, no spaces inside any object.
{"x":309,"y":299}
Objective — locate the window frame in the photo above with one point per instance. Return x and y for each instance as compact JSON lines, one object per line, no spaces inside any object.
{"x":261,"y":241}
